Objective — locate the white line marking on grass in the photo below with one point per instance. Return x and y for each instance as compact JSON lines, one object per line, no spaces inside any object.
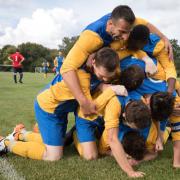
{"x":8,"y":172}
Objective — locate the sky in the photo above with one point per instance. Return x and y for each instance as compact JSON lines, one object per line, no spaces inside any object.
{"x":46,"y":22}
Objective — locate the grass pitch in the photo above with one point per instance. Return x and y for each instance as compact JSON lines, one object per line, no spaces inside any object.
{"x":16,"y":106}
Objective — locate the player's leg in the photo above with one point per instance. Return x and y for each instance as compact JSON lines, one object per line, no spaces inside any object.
{"x":175,"y":133}
{"x":33,"y":150}
{"x":46,"y":71}
{"x":15,"y":75}
{"x":85,"y":141}
{"x":52,"y":129}
{"x":21,"y":75}
{"x":176,"y":150}
{"x":21,"y":134}
{"x":57,"y":70}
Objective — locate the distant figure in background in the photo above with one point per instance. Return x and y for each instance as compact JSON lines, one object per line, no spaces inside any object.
{"x":58,"y":61}
{"x":17,"y":59}
{"x":45,"y":65}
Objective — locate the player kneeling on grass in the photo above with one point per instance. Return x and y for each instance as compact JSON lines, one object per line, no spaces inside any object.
{"x":52,"y":107}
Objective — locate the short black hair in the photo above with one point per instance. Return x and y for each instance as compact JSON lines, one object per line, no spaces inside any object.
{"x":161,"y":104}
{"x":138,"y":37}
{"x":132,"y":77}
{"x":137,"y":112}
{"x":123,"y":12}
{"x":107,"y":58}
{"x":134,"y":145}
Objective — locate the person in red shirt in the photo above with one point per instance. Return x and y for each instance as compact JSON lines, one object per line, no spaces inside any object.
{"x":17,"y":59}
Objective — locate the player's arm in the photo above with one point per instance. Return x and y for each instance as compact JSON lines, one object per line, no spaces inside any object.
{"x":9,"y":58}
{"x":103,"y":99}
{"x":22,"y":59}
{"x":168,"y":46}
{"x":109,"y":93}
{"x":119,"y":154}
{"x":87,"y":43}
{"x":111,"y":118}
{"x":159,"y":139}
{"x":169,"y":69}
{"x":150,"y":67}
{"x":55,"y":62}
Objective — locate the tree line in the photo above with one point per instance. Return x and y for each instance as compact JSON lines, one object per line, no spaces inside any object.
{"x":35,"y":54}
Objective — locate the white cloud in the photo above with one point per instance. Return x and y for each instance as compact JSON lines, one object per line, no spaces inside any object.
{"x":46,"y":27}
{"x":49,"y":25}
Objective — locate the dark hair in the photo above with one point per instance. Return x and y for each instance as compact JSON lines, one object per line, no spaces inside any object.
{"x":132,"y":77}
{"x":17,"y":50}
{"x":138,"y":37}
{"x":107,"y":58}
{"x":134,"y":145}
{"x":138,"y":113}
{"x":123,"y":12}
{"x":161,"y":104}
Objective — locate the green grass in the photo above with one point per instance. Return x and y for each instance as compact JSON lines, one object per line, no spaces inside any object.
{"x":16,"y":105}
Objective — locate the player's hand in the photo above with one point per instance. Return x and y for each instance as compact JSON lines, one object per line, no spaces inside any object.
{"x":90,"y":58}
{"x":119,"y":90}
{"x":88,"y":107}
{"x":168,"y":48}
{"x":159,"y":145}
{"x":135,"y":174}
{"x":150,"y":68}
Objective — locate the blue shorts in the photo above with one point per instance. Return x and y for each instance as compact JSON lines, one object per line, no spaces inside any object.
{"x":53,"y":126}
{"x":57,"y":70}
{"x":45,"y":70}
{"x":86,"y":129}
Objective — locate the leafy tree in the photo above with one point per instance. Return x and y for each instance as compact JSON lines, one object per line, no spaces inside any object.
{"x":176,"y":51}
{"x":5,"y":51}
{"x":67,"y":44}
{"x":35,"y":53}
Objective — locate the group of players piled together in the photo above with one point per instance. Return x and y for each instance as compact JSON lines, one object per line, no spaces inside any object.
{"x":120,"y":82}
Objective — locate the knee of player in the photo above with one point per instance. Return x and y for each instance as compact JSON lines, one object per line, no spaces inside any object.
{"x":89,"y":157}
{"x":52,"y":156}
